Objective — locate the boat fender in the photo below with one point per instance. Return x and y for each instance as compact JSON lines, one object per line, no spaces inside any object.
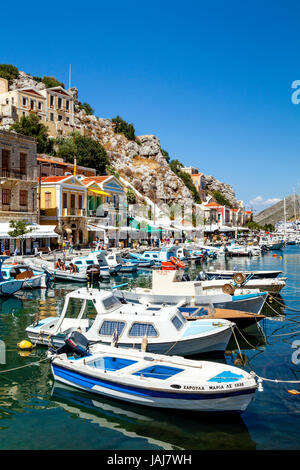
{"x":144,"y":344}
{"x":25,"y":344}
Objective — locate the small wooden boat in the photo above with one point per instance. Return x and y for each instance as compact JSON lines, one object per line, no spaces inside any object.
{"x":154,"y":380}
{"x":243,"y":320}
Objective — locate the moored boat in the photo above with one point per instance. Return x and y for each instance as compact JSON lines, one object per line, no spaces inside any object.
{"x":155,"y":380}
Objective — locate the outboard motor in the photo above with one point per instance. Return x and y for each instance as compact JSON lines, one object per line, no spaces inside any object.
{"x":202,"y":276}
{"x":93,"y":273}
{"x":185,"y":278}
{"x":75,"y":343}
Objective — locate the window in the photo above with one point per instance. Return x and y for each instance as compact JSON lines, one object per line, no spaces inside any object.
{"x":32,"y":104}
{"x":177,"y":323}
{"x":109,"y":327}
{"x":59,"y":103}
{"x":51,"y":117}
{"x":65,"y":200}
{"x":5,"y":162}
{"x":111,"y":303}
{"x":47,"y":200}
{"x":51,"y":100}
{"x":6,"y":196}
{"x":60,"y":118}
{"x":24,"y":101}
{"x":23,"y":158}
{"x":142,"y":329}
{"x":67,"y":105}
{"x":80,"y":201}
{"x":67,"y":119}
{"x":23,"y":198}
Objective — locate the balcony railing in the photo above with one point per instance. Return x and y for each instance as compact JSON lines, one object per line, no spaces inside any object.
{"x":14,"y":173}
{"x":71,"y":212}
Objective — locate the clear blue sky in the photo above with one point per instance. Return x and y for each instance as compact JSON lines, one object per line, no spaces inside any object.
{"x":211,"y":79}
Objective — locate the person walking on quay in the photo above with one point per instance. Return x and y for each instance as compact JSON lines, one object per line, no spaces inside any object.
{"x":71,"y":246}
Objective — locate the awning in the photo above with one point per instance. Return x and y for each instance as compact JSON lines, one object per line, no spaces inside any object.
{"x":39,"y":231}
{"x":101,"y":193}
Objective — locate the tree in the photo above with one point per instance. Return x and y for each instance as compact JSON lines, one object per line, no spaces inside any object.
{"x":33,"y":127}
{"x":87,"y":151}
{"x":165,"y":154}
{"x":20,"y":229}
{"x":122,"y":127}
{"x":87,"y":107}
{"x":131,"y":197}
{"x":9,"y":72}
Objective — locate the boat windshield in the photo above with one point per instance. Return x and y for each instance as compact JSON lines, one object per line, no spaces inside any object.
{"x":80,"y":307}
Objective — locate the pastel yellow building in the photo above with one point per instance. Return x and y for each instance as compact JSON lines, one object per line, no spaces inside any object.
{"x":63,"y":202}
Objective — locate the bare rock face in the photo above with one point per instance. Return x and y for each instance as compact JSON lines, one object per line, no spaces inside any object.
{"x":212,"y":184}
{"x":24,"y":80}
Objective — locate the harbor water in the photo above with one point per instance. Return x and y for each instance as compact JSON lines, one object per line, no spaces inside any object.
{"x":36,"y":413}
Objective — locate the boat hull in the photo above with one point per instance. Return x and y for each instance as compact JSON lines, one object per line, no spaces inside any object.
{"x":234,"y":401}
{"x":246,"y":303}
{"x":8,"y":288}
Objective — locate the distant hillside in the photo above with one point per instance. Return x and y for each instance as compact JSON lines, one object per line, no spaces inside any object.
{"x":275,"y":213}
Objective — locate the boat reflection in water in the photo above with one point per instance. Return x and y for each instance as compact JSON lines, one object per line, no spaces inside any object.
{"x":163,"y":429}
{"x":12,"y":305}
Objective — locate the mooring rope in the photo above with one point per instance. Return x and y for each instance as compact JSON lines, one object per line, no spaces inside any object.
{"x":26,"y":365}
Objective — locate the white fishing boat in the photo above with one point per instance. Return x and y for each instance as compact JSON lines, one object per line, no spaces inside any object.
{"x":58,"y":274}
{"x":171,"y":287}
{"x":102,"y":317}
{"x":154,"y":380}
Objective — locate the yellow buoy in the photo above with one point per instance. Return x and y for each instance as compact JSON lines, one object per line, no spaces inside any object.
{"x":25,"y":344}
{"x":294,"y":392}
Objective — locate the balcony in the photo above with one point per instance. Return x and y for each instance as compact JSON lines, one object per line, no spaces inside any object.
{"x":72,"y":212}
{"x":15,"y":173}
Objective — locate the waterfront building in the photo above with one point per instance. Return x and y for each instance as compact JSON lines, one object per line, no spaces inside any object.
{"x":106,"y":205}
{"x":63,"y":202}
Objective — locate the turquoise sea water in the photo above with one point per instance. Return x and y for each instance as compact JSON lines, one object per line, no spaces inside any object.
{"x":37,"y":414}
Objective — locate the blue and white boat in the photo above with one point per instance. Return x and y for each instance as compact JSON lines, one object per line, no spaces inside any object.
{"x":11,"y":286}
{"x":32,"y":279}
{"x":117,"y":264}
{"x":159,"y":256}
{"x":156,"y":380}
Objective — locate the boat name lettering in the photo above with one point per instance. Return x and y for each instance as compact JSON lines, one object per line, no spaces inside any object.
{"x":192,"y":387}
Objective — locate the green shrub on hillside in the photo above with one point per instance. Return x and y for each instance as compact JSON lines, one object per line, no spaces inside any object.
{"x":33,"y":127}
{"x":87,"y":107}
{"x":51,"y":82}
{"x":9,"y":72}
{"x":88,"y":151}
{"x":221,"y":199}
{"x":122,"y":127}
{"x":176,"y":166}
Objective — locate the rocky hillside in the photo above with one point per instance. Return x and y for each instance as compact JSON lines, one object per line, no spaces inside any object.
{"x":212,"y":184}
{"x":141,"y":162}
{"x":275,"y":213}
